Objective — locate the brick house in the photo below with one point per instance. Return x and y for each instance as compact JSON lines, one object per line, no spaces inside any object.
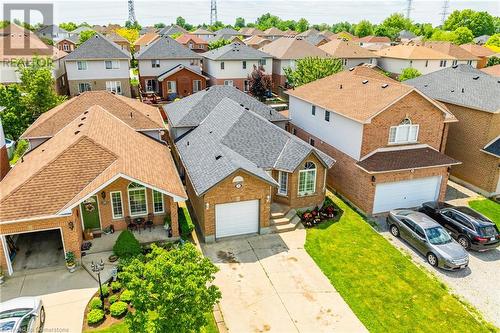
{"x":94,"y":172}
{"x":169,"y":69}
{"x":350,"y":53}
{"x":193,"y":42}
{"x":232,"y":64}
{"x":237,"y":163}
{"x":68,"y":44}
{"x":121,"y":41}
{"x":256,"y":41}
{"x":145,"y":40}
{"x":98,"y":64}
{"x":472,"y":96}
{"x":388,"y":138}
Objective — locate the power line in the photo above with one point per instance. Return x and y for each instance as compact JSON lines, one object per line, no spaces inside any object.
{"x":131,"y":12}
{"x":408,"y":8}
{"x":444,"y":13}
{"x":213,"y":12}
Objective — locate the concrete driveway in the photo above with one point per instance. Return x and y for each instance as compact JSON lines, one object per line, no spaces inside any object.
{"x":270,"y":284}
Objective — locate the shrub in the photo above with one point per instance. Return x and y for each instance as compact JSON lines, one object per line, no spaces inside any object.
{"x":118,"y":308}
{"x":126,"y":245}
{"x":95,"y":316}
{"x":185,"y":222}
{"x":116,"y":286}
{"x":105,"y":290}
{"x":126,"y":296}
{"x":112,"y":299}
{"x":95,"y":303}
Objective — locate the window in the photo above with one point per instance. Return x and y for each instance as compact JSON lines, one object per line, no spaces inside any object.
{"x":344,"y":62}
{"x":244,"y":64}
{"x":196,"y":85}
{"x":262,"y":62}
{"x":419,"y":232}
{"x":66,"y":47}
{"x":83,"y":87}
{"x":157,"y":202}
{"x":246,"y":85}
{"x":463,"y":221}
{"x":114,"y":86}
{"x":469,"y":62}
{"x":307,"y":179}
{"x":155,"y":63}
{"x":283,"y":183}
{"x":426,"y":63}
{"x":171,"y":87}
{"x":81,"y":65}
{"x":112,"y":64}
{"x":228,"y":83}
{"x":311,"y":141}
{"x":406,"y":132}
{"x":454,"y":62}
{"x":313,"y":110}
{"x":151,"y":85}
{"x":327,"y":115}
{"x":138,"y":204}
{"x":442,"y":63}
{"x":294,"y":131}
{"x":190,"y":45}
{"x":117,"y":205}
{"x":222,"y":65}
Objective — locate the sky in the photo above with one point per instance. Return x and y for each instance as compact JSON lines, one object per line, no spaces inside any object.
{"x":196,"y":12}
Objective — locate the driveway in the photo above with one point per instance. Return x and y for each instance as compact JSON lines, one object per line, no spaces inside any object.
{"x":270,"y":284}
{"x":65,"y":295}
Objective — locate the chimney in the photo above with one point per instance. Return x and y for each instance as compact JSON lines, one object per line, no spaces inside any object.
{"x":4,"y":158}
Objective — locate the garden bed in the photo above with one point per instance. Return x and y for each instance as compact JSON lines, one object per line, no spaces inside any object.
{"x":329,"y":211}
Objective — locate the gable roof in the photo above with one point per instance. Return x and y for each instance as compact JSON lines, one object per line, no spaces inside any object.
{"x":201,"y":31}
{"x":492,"y":70}
{"x":227,"y":31}
{"x":235,"y":51}
{"x":478,"y":50}
{"x":250,"y":31}
{"x":80,"y":30}
{"x":342,"y":35}
{"x":374,"y":39}
{"x":132,"y":112}
{"x":185,"y":38}
{"x":292,"y":48}
{"x":52,"y":29}
{"x":327,"y":33}
{"x":232,"y":139}
{"x":114,"y":37}
{"x":172,"y":30}
{"x":192,"y":110}
{"x":316,"y":39}
{"x":87,"y":154}
{"x":178,"y":68}
{"x":166,"y":47}
{"x":147,"y":38}
{"x":358,"y":94}
{"x":412,"y":52}
{"x":451,"y":49}
{"x":493,"y":147}
{"x":98,"y":47}
{"x":256,"y":40}
{"x":405,"y":34}
{"x":480,"y":90}
{"x":273,"y":31}
{"x":308,"y":32}
{"x":342,"y":49}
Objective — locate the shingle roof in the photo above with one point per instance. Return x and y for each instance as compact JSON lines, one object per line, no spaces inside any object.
{"x":256,"y":40}
{"x":308,"y":32}
{"x":132,"y":112}
{"x":166,"y":48}
{"x":184,"y":38}
{"x":405,"y":159}
{"x":177,"y":68}
{"x":250,"y":31}
{"x":201,"y":31}
{"x":342,"y":49}
{"x":293,"y":48}
{"x":478,"y":50}
{"x":358,"y":94}
{"x":192,"y":110}
{"x":147,"y":38}
{"x":493,"y":147}
{"x":98,"y":47}
{"x":374,"y":39}
{"x":227,"y":31}
{"x":172,"y":30}
{"x":92,"y":150}
{"x":405,"y":34}
{"x":52,"y":29}
{"x":80,"y":30}
{"x":232,"y":139}
{"x":116,"y":38}
{"x":451,"y":49}
{"x":235,"y":51}
{"x":315,"y":39}
{"x":480,"y":90}
{"x":413,"y":52}
{"x":274,"y":32}
{"x":492,"y":70}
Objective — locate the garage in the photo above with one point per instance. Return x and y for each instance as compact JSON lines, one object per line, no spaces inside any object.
{"x":236,"y":218}
{"x":405,"y":194}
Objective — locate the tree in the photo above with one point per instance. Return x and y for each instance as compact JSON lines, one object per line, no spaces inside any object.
{"x":342,"y":26}
{"x":443,"y":35}
{"x":129,"y":34}
{"x":68,"y":26}
{"x":171,"y":290}
{"x":266,"y":21}
{"x":181,"y":22}
{"x":364,"y":28}
{"x":394,"y":24}
{"x":480,"y":23}
{"x":494,"y":40}
{"x":302,"y":25}
{"x":159,"y":25}
{"x":493,"y":61}
{"x":239,"y":23}
{"x":260,"y":82}
{"x":409,"y":73}
{"x":463,"y":36}
{"x":14,"y":116}
{"x":311,"y":69}
{"x":85,"y":35}
{"x":423,"y":29}
{"x":218,"y":43}
{"x":134,"y":25}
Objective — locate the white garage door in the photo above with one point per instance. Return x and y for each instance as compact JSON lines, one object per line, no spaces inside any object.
{"x":405,"y":194}
{"x":237,"y":218}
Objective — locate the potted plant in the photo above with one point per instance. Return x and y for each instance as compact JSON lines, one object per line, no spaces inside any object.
{"x":70,"y":261}
{"x":166,"y":225}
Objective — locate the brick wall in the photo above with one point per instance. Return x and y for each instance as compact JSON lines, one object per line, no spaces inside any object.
{"x":99,"y":84}
{"x":184,"y":81}
{"x":237,"y":82}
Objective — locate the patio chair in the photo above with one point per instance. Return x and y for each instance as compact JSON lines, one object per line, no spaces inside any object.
{"x":130,"y":225}
{"x":149,"y":222}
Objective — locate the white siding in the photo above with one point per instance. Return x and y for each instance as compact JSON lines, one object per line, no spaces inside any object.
{"x":8,"y":72}
{"x":397,"y":65}
{"x":340,"y":132}
{"x":145,"y":68}
{"x":96,"y":69}
{"x":233,"y":68}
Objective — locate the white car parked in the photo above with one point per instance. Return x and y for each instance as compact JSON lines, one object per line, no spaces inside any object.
{"x":22,"y":314}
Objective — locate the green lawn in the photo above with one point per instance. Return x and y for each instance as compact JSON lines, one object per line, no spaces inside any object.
{"x":488,"y":208}
{"x":383,"y":287}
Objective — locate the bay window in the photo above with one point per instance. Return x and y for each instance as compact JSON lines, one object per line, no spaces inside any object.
{"x":307,"y":179}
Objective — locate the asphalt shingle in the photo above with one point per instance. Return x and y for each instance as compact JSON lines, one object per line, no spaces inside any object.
{"x":166,"y":47}
{"x":98,"y":47}
{"x":235,"y":51}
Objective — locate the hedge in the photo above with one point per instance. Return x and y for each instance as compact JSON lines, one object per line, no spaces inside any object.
{"x":95,"y":316}
{"x":95,"y":303}
{"x":127,"y":245}
{"x":116,"y":286}
{"x":118,"y":308}
{"x":185,"y":222}
{"x":112,"y":299}
{"x":126,"y":296}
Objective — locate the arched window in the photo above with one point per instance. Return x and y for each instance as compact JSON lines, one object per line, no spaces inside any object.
{"x":307,"y":179}
{"x":405,"y":132}
{"x":137,"y":202}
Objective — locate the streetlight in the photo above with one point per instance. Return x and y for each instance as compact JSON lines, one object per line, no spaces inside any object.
{"x":97,"y":268}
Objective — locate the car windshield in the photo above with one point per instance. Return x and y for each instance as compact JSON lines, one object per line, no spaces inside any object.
{"x":437,"y":236}
{"x":14,"y":313}
{"x":488,"y":231}
{"x":7,"y":326}
{"x":472,"y":213}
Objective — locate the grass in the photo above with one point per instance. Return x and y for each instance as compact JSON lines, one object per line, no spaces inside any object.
{"x":185,"y":222}
{"x":384,"y":288}
{"x":488,"y":208}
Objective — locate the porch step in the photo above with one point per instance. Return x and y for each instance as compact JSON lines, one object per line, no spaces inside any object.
{"x":285,"y":219}
{"x":290,"y":226}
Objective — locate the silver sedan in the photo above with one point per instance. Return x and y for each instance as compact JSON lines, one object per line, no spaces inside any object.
{"x":22,"y":314}
{"x":429,"y":238}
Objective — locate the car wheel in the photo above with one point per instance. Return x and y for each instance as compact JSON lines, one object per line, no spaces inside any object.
{"x":394,"y":231}
{"x":462,"y":240}
{"x":42,"y":318}
{"x":432,"y":259}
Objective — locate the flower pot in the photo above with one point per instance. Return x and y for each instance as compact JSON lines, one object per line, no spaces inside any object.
{"x":71,"y":267}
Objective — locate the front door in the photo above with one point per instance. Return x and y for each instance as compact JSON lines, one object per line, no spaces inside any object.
{"x":90,"y":213}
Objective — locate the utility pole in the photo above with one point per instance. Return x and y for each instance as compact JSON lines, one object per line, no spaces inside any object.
{"x":408,"y":8}
{"x":213,"y":12}
{"x":131,"y":12}
{"x":444,"y":13}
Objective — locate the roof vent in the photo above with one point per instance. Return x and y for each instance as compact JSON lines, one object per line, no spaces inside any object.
{"x":340,"y":86}
{"x":475,"y":77}
{"x":86,"y":112}
{"x":77,"y":132}
{"x":187,"y":144}
{"x":242,"y":105}
{"x":463,"y":90}
{"x":83,"y":118}
{"x":426,"y":85}
{"x":80,"y":124}
{"x":385,"y":85}
{"x":454,"y":66}
{"x":351,"y":69}
{"x":218,"y":157}
{"x":365,"y":81}
{"x":131,"y":115}
{"x":206,"y":89}
{"x":452,"y":90}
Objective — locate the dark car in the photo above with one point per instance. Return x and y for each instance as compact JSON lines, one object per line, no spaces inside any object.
{"x":471,"y":229}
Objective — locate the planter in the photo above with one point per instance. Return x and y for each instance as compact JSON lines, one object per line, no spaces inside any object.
{"x":71,"y":267}
{"x":112,"y":258}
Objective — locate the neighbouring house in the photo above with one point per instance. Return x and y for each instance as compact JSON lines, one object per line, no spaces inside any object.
{"x":225,"y":33}
{"x":327,"y":33}
{"x":169,"y":69}
{"x":374,"y":43}
{"x":343,"y":35}
{"x":461,"y":55}
{"x":350,"y":53}
{"x":481,"y":40}
{"x":316,"y":40}
{"x":52,"y":32}
{"x":232,"y":64}
{"x":492,"y":70}
{"x":395,"y":59}
{"x":173,"y":29}
{"x":146,"y":30}
{"x":256,"y":41}
{"x":79,"y":30}
{"x":249,"y":32}
{"x":388,"y":138}
{"x":68,"y":44}
{"x":275,"y":33}
{"x":203,"y":33}
{"x":13,"y":41}
{"x":472,"y":96}
{"x":285,"y":52}
{"x":145,"y":40}
{"x":308,"y":32}
{"x":238,"y":165}
{"x":98,"y":64}
{"x":121,"y":41}
{"x":193,"y":43}
{"x":290,"y":33}
{"x":405,"y":36}
{"x":483,"y":53}
{"x":96,"y":171}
